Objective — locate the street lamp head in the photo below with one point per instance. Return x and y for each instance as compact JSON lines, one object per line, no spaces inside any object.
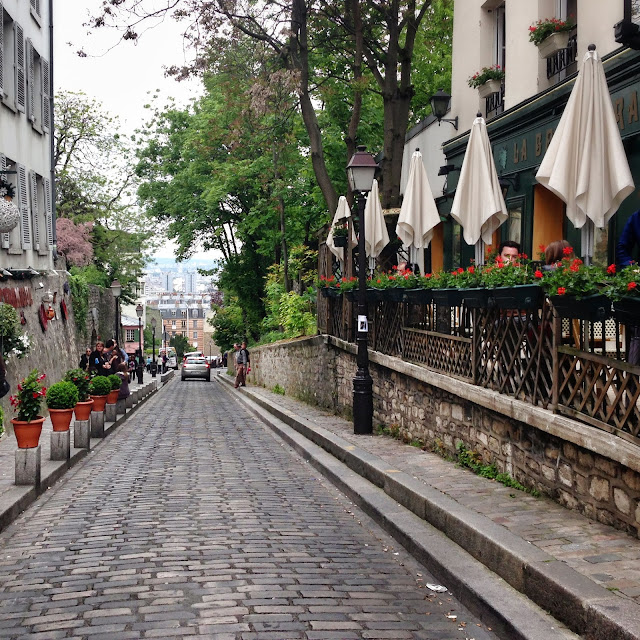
{"x":361,"y":170}
{"x":116,"y":289}
{"x":440,"y":102}
{"x":153,"y":323}
{"x":139,"y":310}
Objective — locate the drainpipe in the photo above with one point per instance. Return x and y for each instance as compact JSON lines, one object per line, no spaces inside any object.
{"x":51,"y":129}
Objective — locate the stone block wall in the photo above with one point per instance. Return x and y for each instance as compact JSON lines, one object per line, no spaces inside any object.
{"x":580,"y":467}
{"x":54,"y":349}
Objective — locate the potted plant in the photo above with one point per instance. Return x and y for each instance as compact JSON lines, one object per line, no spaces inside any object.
{"x":624,"y":289}
{"x":99,"y":389}
{"x":550,"y":35}
{"x":28,"y":424}
{"x":81,"y":379}
{"x":9,"y":212}
{"x":61,"y":398}
{"x":340,"y":232}
{"x":577,"y":290}
{"x":116,"y":382}
{"x":488,"y":80}
{"x":469,"y":281}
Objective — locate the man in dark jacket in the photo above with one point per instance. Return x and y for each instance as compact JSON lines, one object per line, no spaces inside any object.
{"x":629,"y":240}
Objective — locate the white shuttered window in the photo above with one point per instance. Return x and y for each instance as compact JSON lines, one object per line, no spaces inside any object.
{"x":23,"y":204}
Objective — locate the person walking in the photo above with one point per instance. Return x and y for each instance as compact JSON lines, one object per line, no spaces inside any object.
{"x":241,"y":363}
{"x":123,"y":374}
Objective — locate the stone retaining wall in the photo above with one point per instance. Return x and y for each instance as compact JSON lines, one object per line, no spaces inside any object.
{"x":581,"y":467}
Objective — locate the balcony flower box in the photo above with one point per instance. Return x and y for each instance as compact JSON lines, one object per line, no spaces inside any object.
{"x":489,"y":87}
{"x":393,"y":294}
{"x":340,"y":241}
{"x":594,"y":308}
{"x":448,"y":297}
{"x":476,"y":298}
{"x":553,"y":43}
{"x":627,"y":310}
{"x":418,"y":296}
{"x":524,"y":296}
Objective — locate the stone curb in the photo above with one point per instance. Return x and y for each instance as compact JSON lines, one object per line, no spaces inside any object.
{"x":581,"y":604}
{"x":17,"y":499}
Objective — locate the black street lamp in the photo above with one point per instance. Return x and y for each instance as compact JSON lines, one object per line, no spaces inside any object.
{"x":116,"y":290}
{"x":139,"y":312}
{"x":153,"y":347}
{"x":440,"y":102}
{"x":361,"y":170}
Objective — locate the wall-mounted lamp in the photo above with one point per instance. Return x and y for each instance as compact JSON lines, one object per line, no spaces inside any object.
{"x":446,"y":169}
{"x":509,"y":181}
{"x":440,"y":102}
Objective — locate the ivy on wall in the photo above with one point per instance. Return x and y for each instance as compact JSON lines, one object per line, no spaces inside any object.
{"x":80,"y":303}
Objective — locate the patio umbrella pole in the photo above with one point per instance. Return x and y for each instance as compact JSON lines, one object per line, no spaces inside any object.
{"x":587,"y":239}
{"x":479,"y":252}
{"x":362,"y":382}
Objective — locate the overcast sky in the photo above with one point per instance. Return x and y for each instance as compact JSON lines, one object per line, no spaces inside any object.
{"x":123,"y":78}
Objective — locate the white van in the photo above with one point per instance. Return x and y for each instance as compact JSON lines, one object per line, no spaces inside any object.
{"x":172,"y":359}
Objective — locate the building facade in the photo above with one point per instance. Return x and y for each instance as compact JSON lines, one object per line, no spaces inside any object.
{"x":25,"y":134}
{"x":524,"y":110}
{"x":184,"y":319}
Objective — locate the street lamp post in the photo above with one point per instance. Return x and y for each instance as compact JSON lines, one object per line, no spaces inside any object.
{"x":153,"y":347}
{"x":139,"y":312}
{"x":361,"y":170}
{"x":116,"y":290}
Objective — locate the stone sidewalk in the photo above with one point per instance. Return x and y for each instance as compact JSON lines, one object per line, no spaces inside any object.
{"x":604,"y":555}
{"x":14,"y":499}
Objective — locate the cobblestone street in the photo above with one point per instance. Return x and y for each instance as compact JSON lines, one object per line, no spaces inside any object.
{"x":195,"y":520}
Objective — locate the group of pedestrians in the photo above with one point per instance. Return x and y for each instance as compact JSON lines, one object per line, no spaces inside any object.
{"x":109,"y":358}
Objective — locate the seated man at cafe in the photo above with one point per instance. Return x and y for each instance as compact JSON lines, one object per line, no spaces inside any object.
{"x":508,"y":251}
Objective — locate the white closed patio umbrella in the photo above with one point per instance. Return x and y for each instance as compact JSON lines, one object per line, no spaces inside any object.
{"x":341,"y":215}
{"x":478,"y":205}
{"x":376,"y":235}
{"x":418,"y":214}
{"x":585,"y":164}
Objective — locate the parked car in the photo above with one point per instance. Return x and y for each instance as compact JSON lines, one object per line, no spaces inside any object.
{"x":195,"y":367}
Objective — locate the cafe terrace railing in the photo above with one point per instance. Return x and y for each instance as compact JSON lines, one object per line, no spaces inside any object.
{"x":554,"y":358}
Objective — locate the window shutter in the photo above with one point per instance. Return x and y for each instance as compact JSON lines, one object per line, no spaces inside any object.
{"x":48,"y":211}
{"x":5,"y":238}
{"x":31,"y":90}
{"x":20,"y":88}
{"x":46,"y":96}
{"x":33,"y":184}
{"x":136,"y":335}
{"x":1,"y":53}
{"x":23,"y":200}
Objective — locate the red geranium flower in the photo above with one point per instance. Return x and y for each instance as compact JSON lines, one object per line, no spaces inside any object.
{"x":631,"y":286}
{"x":538,"y":273}
{"x":611,"y":269}
{"x":561,"y":291}
{"x":567,"y":251}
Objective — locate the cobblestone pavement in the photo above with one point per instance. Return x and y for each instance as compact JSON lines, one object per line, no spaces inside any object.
{"x":607,"y":556}
{"x":195,"y":520}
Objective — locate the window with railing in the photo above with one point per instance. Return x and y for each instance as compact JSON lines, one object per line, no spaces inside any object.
{"x":563,"y":62}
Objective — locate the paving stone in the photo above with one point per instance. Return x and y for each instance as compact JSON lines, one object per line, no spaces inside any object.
{"x":195,"y":520}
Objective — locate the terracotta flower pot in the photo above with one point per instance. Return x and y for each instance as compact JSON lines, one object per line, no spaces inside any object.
{"x":27,"y":433}
{"x":112,"y":396}
{"x":83,"y":410}
{"x":99,"y":403}
{"x":61,"y":418}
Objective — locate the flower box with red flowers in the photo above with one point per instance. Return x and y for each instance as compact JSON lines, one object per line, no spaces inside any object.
{"x":623,"y":288}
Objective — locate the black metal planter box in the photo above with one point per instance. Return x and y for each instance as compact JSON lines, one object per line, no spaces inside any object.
{"x":339,"y":241}
{"x":595,"y":308}
{"x":524,"y":296}
{"x":448,"y":297}
{"x":418,"y":296}
{"x":627,"y":310}
{"x":476,"y":298}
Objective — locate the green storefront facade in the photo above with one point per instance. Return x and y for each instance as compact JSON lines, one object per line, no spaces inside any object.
{"x":519,"y":138}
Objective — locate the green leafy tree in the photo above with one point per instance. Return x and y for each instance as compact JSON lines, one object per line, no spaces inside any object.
{"x":180,"y":344}
{"x":228,"y":325}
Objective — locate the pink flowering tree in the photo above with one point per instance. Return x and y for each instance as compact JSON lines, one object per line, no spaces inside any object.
{"x":74,"y":242}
